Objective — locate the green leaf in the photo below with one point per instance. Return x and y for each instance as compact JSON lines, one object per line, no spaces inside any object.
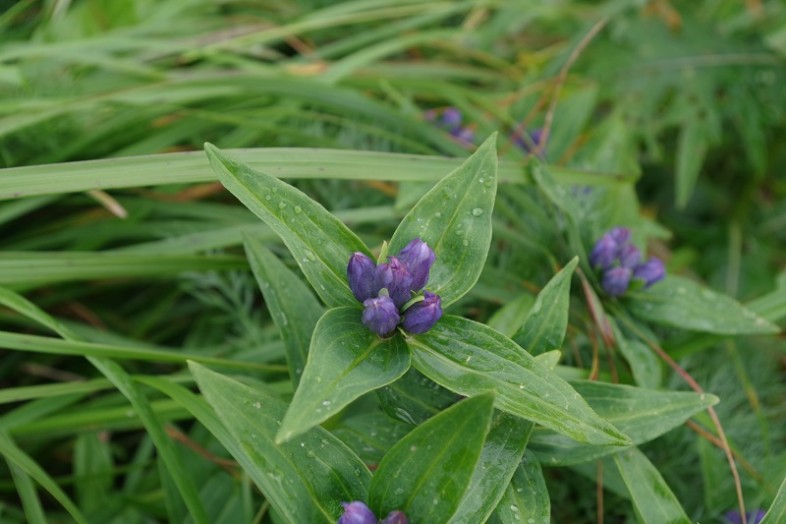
{"x":502,"y":452}
{"x":415,"y":398}
{"x":320,"y":243}
{"x":371,"y":434}
{"x":26,"y":491}
{"x":691,"y":150}
{"x":682,"y":303}
{"x":643,"y":362}
{"x":300,"y":486}
{"x":427,"y":472}
{"x":346,"y":360}
{"x":545,"y":326}
{"x":526,"y":498}
{"x":777,"y":512}
{"x":652,"y":498}
{"x":14,"y":455}
{"x":470,"y":358}
{"x":293,"y":307}
{"x":454,"y":219}
{"x":510,"y":317}
{"x":642,"y":414}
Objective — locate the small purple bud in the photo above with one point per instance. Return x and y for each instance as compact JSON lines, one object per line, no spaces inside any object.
{"x":650,"y":271}
{"x":451,"y":117}
{"x":753,"y":517}
{"x":421,"y":316}
{"x":604,"y":253}
{"x":464,"y":134}
{"x":395,"y":517}
{"x":616,"y":280}
{"x":418,"y":257}
{"x":380,"y":315}
{"x":361,"y":273}
{"x":630,"y":256}
{"x":621,"y":235}
{"x":397,"y":279}
{"x":356,"y":513}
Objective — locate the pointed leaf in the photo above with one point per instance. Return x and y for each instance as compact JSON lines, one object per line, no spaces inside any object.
{"x":300,"y":486}
{"x":293,"y":307}
{"x":426,"y":473}
{"x":682,"y":303}
{"x":415,"y":398}
{"x":501,"y":454}
{"x":320,"y":243}
{"x":652,"y":498}
{"x":777,"y":512}
{"x":545,"y":326}
{"x":527,"y":497}
{"x":469,"y":358}
{"x":643,"y":362}
{"x":454,"y":219}
{"x":371,"y":434}
{"x":691,"y":150}
{"x":642,"y":414}
{"x":345,"y":361}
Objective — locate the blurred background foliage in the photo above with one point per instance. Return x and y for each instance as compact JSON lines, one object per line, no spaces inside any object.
{"x":687,"y":97}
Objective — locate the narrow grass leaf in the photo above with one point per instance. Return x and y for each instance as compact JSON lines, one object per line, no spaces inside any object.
{"x":318,"y":471}
{"x":777,"y":512}
{"x":26,"y":490}
{"x":426,"y":473}
{"x":501,"y":455}
{"x":54,"y":346}
{"x":469,"y":358}
{"x":28,"y":269}
{"x":320,"y":243}
{"x":293,"y":307}
{"x":652,"y":498}
{"x":454,"y":219}
{"x":682,"y":303}
{"x":642,"y":414}
{"x":346,"y":360}
{"x":545,"y":326}
{"x":14,"y":455}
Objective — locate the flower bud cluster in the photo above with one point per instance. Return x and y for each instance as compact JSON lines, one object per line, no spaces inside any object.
{"x":358,"y":513}
{"x":450,"y":119}
{"x":387,"y":289}
{"x":620,"y":263}
{"x":536,"y":135}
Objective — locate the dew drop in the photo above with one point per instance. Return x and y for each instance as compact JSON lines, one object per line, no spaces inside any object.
{"x":298,"y":209}
{"x":477,"y":212}
{"x":282,"y":205}
{"x":268,"y":197}
{"x":465,"y":242}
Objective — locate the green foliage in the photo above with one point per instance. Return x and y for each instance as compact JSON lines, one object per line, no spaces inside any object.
{"x":166,"y":361}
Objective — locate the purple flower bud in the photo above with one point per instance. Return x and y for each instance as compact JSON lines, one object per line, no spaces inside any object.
{"x":357,"y":513}
{"x":397,"y":279}
{"x":361,"y":273}
{"x":451,"y":117}
{"x":418,"y":258}
{"x":621,"y":235}
{"x":396,"y":517}
{"x":616,"y":280}
{"x":650,"y":271}
{"x":421,"y":316}
{"x":380,"y":315}
{"x":604,"y":253}
{"x":630,"y":256}
{"x":464,"y":134}
{"x":753,"y":517}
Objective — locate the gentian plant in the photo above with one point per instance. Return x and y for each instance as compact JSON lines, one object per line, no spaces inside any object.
{"x":376,"y":327}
